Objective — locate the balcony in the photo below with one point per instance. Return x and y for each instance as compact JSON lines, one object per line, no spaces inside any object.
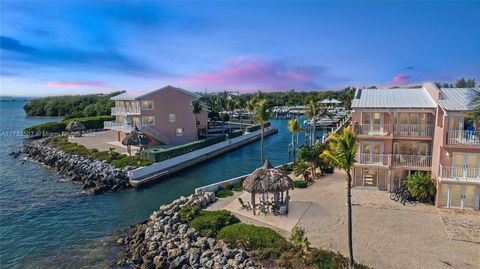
{"x":459,"y":174}
{"x":373,"y":159}
{"x":373,"y":129}
{"x":123,"y":111}
{"x":112,"y":125}
{"x":412,"y":161}
{"x":413,"y":130}
{"x":463,"y":138}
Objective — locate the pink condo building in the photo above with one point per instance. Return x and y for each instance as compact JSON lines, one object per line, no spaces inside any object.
{"x":165,"y":115}
{"x":423,"y":129}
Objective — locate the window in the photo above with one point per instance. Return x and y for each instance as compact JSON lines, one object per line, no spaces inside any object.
{"x":148,"y":120}
{"x":147,"y":105}
{"x":172,"y":118}
{"x":179,"y":132}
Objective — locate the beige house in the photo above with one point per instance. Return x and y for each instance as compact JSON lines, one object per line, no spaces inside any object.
{"x":423,"y":129}
{"x":165,"y":115}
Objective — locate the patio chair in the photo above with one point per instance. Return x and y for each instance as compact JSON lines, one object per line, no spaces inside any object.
{"x":282,"y":210}
{"x":287,"y":200}
{"x":246,"y":206}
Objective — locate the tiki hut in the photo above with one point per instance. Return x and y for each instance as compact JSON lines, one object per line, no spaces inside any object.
{"x":75,"y":126}
{"x":266,"y":180}
{"x":135,"y":138}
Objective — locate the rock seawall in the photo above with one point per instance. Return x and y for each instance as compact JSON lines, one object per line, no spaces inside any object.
{"x":164,"y":241}
{"x":96,"y":176}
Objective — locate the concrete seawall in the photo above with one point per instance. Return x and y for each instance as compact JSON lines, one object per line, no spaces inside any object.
{"x":151,"y":173}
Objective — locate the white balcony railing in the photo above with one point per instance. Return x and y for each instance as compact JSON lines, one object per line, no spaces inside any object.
{"x":112,"y":125}
{"x":413,"y":130}
{"x":461,"y":174}
{"x":374,"y":159}
{"x":373,"y":129}
{"x":125,"y":111}
{"x":414,"y":161}
{"x":463,"y":138}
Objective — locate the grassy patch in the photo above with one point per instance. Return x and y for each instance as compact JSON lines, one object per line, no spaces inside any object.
{"x":116,"y":159}
{"x":208,"y":223}
{"x":223,"y":193}
{"x":189,"y":212}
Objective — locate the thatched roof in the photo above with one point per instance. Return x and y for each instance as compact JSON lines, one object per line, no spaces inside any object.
{"x":135,"y":138}
{"x":267,"y":179}
{"x":75,"y":126}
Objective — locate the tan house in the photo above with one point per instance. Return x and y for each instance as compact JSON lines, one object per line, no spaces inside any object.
{"x":423,"y":129}
{"x":165,"y":115}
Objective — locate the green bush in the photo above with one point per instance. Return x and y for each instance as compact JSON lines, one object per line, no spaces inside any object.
{"x":157,"y":155}
{"x":298,"y":238}
{"x":256,"y":127}
{"x":326,"y":259}
{"x":223,"y":193}
{"x":262,"y":241}
{"x":301,"y":184}
{"x":234,"y":134}
{"x":189,"y":212}
{"x":134,"y":161}
{"x":92,"y":122}
{"x":328,"y":169}
{"x":208,"y":223}
{"x":238,"y":187}
{"x":421,"y":187}
{"x":44,"y":128}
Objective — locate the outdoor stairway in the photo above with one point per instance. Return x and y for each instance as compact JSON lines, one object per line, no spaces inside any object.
{"x":159,"y":135}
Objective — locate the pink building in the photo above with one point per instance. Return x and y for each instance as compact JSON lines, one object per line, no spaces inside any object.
{"x":423,"y":129}
{"x":165,"y":115}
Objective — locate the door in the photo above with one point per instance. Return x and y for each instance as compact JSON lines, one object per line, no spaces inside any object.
{"x":372,"y":152}
{"x":469,"y":196}
{"x":456,"y":196}
{"x":466,"y":166}
{"x":460,"y":196}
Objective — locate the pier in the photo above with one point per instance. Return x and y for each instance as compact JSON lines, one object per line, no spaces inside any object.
{"x":149,"y":174}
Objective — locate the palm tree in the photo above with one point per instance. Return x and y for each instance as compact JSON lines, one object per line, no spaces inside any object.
{"x":301,"y":168}
{"x":196,"y":109}
{"x":312,"y":113}
{"x":346,"y":96}
{"x":262,"y":115}
{"x":240,"y":104}
{"x":474,"y":113}
{"x":251,"y":105}
{"x":230,"y":105}
{"x":341,"y":152}
{"x":294,"y":128}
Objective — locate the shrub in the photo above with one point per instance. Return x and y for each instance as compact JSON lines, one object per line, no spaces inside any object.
{"x":134,"y":161}
{"x":91,"y":122}
{"x":328,"y":169}
{"x":157,"y":155}
{"x":189,"y":212}
{"x":234,"y":134}
{"x":256,"y":127}
{"x":264,"y":242}
{"x":238,"y":187}
{"x":223,"y":193}
{"x":44,"y":128}
{"x":298,"y":238}
{"x":301,"y":184}
{"x":208,"y":223}
{"x":326,"y":259}
{"x":421,"y":187}
{"x":227,"y":186}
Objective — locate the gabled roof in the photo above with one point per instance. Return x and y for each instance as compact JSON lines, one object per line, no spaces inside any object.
{"x":330,"y":101}
{"x":393,"y":98}
{"x":130,"y":97}
{"x":456,"y":99}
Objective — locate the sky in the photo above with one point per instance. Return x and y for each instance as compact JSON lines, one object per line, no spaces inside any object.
{"x":79,"y":47}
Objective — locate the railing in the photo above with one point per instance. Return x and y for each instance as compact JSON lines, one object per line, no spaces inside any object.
{"x":125,"y":111}
{"x":464,"y":138}
{"x":373,"y":129}
{"x":159,"y":135}
{"x":413,"y":130}
{"x":377,"y":159}
{"x":117,"y":126}
{"x":418,"y":161}
{"x":462,"y":174}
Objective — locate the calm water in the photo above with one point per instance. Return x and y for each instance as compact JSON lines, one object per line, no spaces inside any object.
{"x":47,"y":223}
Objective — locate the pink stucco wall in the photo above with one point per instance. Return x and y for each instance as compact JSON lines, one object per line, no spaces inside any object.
{"x":168,"y":101}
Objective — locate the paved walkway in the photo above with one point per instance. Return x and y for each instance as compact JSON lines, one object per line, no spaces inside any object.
{"x":386,"y":234}
{"x":102,"y":140}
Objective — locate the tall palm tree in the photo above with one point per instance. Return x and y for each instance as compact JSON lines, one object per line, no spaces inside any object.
{"x":230,"y":105}
{"x":196,"y":109}
{"x":346,"y":96}
{"x":240,"y":105}
{"x":474,"y":113}
{"x":294,"y":128}
{"x":262,"y":115}
{"x":251,"y":105}
{"x":341,"y":152}
{"x":312,"y":114}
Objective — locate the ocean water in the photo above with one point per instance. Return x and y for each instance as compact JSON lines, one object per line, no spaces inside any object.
{"x":47,"y":223}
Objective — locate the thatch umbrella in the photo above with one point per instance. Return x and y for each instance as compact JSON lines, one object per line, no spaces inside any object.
{"x":135,"y":138}
{"x":75,"y":126}
{"x":267,"y":180}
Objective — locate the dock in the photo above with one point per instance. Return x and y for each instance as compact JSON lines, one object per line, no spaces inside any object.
{"x":149,"y":174}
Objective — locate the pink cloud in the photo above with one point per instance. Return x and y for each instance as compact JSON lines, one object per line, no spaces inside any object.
{"x":400,"y":78}
{"x":75,"y":84}
{"x":251,"y":74}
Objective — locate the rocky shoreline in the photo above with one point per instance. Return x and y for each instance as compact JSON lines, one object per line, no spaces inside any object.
{"x":164,"y":241}
{"x":96,"y":176}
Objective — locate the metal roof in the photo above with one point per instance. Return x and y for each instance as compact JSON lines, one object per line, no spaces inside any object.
{"x":456,"y":99}
{"x":393,"y":98}
{"x":130,"y":97}
{"x":330,"y":101}
{"x":124,"y":97}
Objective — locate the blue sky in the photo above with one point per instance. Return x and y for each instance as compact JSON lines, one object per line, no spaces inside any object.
{"x":67,"y":47}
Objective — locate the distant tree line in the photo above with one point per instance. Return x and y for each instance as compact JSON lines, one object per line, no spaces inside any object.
{"x":72,"y":106}
{"x":459,"y":83}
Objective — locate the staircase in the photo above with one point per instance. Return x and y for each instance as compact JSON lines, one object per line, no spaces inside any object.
{"x":159,"y":135}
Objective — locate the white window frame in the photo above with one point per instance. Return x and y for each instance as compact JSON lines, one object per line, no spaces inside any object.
{"x":143,"y":121}
{"x":172,"y":118}
{"x":179,"y":133}
{"x":147,"y":108}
